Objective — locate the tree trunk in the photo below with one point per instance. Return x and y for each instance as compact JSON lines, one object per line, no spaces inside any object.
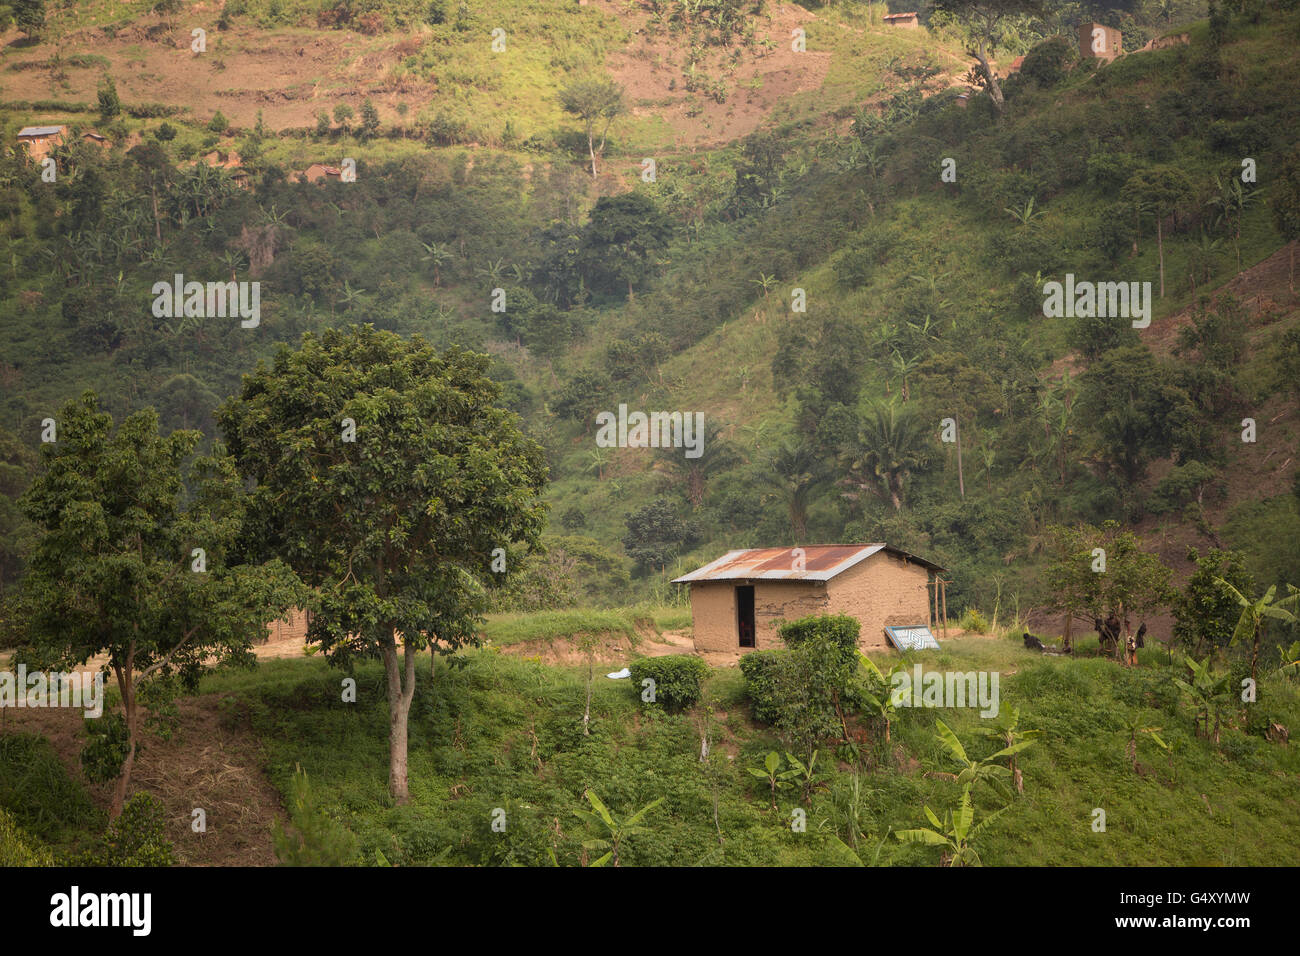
{"x":126,"y":684}
{"x":591,"y":149}
{"x":995,"y":91}
{"x":401,"y":690}
{"x":1160,"y":244}
{"x":961,"y":481}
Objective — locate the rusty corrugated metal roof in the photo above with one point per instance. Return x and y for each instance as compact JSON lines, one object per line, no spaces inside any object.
{"x":818,"y":562}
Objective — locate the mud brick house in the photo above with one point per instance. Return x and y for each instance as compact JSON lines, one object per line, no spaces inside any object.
{"x":908,"y":21}
{"x":1098,"y":42}
{"x":318,"y":171}
{"x":39,"y":140}
{"x":738,"y":601}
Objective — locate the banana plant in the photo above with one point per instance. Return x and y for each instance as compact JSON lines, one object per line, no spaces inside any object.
{"x":618,"y":830}
{"x":1006,"y":731}
{"x":1254,"y":614}
{"x":974,"y":771}
{"x":880,"y":698}
{"x":1133,"y":727}
{"x":955,"y":832}
{"x":1206,"y":690}
{"x":807,"y":774}
{"x":1167,"y":746}
{"x":771,"y":772}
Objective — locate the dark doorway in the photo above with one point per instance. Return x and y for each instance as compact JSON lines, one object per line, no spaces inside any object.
{"x":745,"y":614}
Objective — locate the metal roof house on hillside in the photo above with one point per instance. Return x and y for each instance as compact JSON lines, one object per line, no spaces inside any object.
{"x":738,"y":600}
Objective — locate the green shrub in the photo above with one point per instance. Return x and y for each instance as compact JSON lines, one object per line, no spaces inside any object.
{"x":107,"y":744}
{"x":315,"y":838}
{"x":760,"y":670}
{"x":839,"y":629}
{"x":679,"y":678}
{"x":973,"y":620}
{"x":135,"y":838}
{"x":19,"y":849}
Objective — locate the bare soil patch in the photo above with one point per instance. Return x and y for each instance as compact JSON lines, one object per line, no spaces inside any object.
{"x":208,"y":764}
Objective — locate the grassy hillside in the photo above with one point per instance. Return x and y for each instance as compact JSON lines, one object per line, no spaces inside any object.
{"x":495,"y":731}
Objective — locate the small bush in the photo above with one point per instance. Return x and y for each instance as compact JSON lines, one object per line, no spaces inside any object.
{"x":679,"y":678}
{"x":760,"y":670}
{"x":840,"y":629}
{"x":19,"y":849}
{"x":136,"y":837}
{"x":973,"y":620}
{"x":315,"y":838}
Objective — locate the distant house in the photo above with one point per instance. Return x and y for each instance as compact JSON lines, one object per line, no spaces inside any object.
{"x":39,"y":140}
{"x":1098,"y":42}
{"x":738,"y":600}
{"x":95,"y":139}
{"x":963,"y":99}
{"x":318,"y":171}
{"x":909,"y":21}
{"x":230,"y":162}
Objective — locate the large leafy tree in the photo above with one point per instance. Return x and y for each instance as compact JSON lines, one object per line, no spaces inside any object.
{"x":1155,"y":193}
{"x":17,"y":463}
{"x":622,"y":244}
{"x":29,"y":16}
{"x":1129,"y":585}
{"x":597,"y":103}
{"x":656,"y":535}
{"x":1134,"y":412}
{"x":115,"y":570}
{"x":1204,"y":612}
{"x":987,"y":25}
{"x":396,"y":528}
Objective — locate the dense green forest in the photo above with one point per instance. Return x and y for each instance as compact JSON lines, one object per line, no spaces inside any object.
{"x":830,"y":239}
{"x":921,"y":297}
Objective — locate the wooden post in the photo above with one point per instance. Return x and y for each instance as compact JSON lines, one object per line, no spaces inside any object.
{"x":943,"y":586}
{"x":932,"y":597}
{"x":1069,"y":622}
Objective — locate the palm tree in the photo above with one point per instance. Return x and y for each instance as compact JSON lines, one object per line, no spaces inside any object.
{"x":795,"y":471}
{"x":1254,"y":614}
{"x":888,"y":449}
{"x":716,"y":456}
{"x":765,"y":282}
{"x":351,"y":296}
{"x":954,"y":833}
{"x":881,"y":700}
{"x":618,"y":830}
